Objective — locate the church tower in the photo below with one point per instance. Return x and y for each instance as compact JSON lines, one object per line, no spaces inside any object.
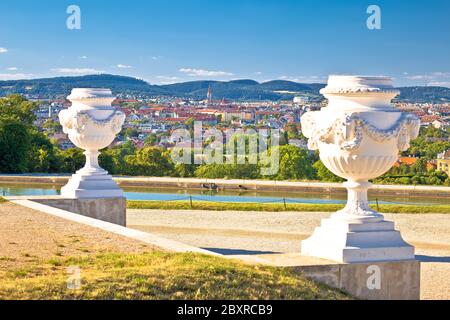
{"x":209,"y":95}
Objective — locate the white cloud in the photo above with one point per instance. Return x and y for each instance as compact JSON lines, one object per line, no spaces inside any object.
{"x":83,"y":57}
{"x":167,"y":79}
{"x":15,"y":76}
{"x":12,"y":69}
{"x":77,"y":70}
{"x":417,"y":77}
{"x":204,"y":73}
{"x":3,"y":50}
{"x":439,"y":79}
{"x":441,"y":74}
{"x":304,"y":79}
{"x":123,"y":66}
{"x":439,"y":84}
{"x":258,"y":73}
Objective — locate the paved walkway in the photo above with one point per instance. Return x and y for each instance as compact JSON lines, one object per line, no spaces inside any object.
{"x":260,"y":233}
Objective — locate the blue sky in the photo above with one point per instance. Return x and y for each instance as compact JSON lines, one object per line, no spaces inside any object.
{"x":165,"y":41}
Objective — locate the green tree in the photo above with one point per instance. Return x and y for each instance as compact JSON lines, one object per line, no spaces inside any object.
{"x":16,"y":125}
{"x":15,"y":143}
{"x":426,"y":145}
{"x":130,"y":132}
{"x":324,"y":174}
{"x":71,"y":160}
{"x":432,"y":132}
{"x":15,"y":108}
{"x":295,"y":164}
{"x":42,"y":154}
{"x":52,"y":126}
{"x":113,"y":159}
{"x":184,"y":170}
{"x":106,"y":161}
{"x":151,"y":140}
{"x":420,"y":166}
{"x":212,"y":171}
{"x":149,"y":161}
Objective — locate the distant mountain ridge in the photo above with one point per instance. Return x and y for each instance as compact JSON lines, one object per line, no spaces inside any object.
{"x":61,"y":86}
{"x":244,"y":89}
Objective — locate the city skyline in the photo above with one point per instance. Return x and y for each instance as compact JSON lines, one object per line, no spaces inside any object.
{"x":166,"y":42}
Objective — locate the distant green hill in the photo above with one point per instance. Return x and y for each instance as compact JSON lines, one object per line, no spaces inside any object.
{"x":424,"y":94}
{"x":61,"y":86}
{"x":283,"y":85}
{"x":244,"y":89}
{"x":235,"y":89}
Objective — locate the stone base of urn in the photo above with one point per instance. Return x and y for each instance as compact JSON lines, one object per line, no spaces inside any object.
{"x":352,"y":242}
{"x":91,"y":186}
{"x":393,"y":280}
{"x":107,"y":209}
{"x":357,"y":233}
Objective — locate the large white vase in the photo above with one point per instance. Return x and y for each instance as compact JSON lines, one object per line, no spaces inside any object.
{"x":91,"y":124}
{"x":359,"y":135}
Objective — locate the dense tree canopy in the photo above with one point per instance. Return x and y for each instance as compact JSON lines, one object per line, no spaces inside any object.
{"x":430,"y":142}
{"x":15,"y":143}
{"x":16,"y":108}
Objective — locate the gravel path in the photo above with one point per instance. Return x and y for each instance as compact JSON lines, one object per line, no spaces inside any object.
{"x":234,"y":232}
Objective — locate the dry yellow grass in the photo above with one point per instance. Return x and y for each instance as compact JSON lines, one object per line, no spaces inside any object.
{"x":158,"y":275}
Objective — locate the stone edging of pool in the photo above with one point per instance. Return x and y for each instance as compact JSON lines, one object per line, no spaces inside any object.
{"x":251,"y":185}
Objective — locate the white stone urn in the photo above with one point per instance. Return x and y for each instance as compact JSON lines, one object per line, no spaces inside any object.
{"x":359,"y":135}
{"x":91,"y":124}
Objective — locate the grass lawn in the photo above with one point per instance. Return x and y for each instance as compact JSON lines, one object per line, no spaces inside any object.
{"x":157,"y":275}
{"x":274,"y":207}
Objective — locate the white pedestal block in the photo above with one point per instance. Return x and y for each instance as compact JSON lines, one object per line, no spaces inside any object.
{"x":350,"y":242}
{"x":91,"y":186}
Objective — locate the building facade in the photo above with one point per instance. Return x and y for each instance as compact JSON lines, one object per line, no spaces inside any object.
{"x":443,"y":162}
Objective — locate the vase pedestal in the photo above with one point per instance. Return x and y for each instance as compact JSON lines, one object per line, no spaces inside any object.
{"x":91,"y":181}
{"x":357,"y":233}
{"x":91,"y":186}
{"x":352,"y":242}
{"x":92,"y":195}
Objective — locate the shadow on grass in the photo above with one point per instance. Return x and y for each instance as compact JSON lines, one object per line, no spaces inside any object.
{"x":422,"y":258}
{"x":229,"y":252}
